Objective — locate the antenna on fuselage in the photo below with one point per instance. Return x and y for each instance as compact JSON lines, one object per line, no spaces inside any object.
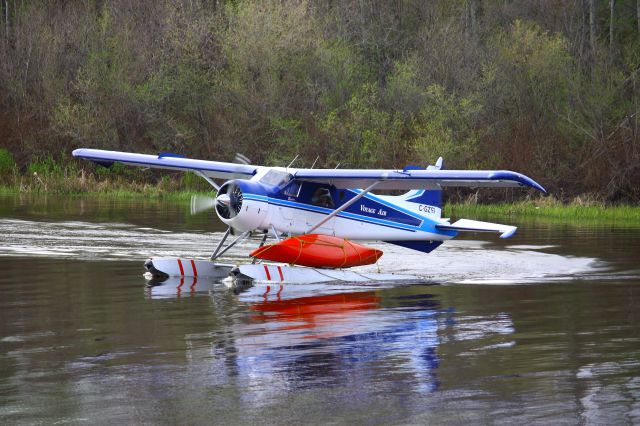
{"x":241,"y":159}
{"x":293,"y":161}
{"x":337,"y":165}
{"x":315,"y":161}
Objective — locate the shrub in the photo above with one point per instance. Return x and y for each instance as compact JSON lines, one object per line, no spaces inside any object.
{"x":7,"y":164}
{"x":46,"y":166}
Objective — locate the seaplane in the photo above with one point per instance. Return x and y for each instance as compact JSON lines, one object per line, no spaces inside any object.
{"x":317,"y":217}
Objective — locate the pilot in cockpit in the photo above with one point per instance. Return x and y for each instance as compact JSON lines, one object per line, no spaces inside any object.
{"x":322,"y":197}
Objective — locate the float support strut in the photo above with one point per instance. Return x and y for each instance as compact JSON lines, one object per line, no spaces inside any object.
{"x":231,"y":244}
{"x":224,"y":238}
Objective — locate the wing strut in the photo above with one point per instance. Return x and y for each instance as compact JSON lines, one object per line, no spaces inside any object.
{"x":207,"y":178}
{"x":344,"y":206}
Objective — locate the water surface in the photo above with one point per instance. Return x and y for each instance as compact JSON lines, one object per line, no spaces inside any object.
{"x":541,"y":328}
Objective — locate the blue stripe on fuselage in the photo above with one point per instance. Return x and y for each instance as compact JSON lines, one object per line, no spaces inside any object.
{"x":326,"y":211}
{"x":422,"y":223}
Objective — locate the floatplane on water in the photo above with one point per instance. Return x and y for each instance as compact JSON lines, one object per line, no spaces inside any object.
{"x":315,"y":215}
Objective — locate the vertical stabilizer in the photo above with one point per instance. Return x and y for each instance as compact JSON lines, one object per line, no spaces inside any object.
{"x":430,"y":200}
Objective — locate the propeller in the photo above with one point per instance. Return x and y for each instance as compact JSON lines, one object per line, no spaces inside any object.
{"x":201,"y":203}
{"x":229,"y":201}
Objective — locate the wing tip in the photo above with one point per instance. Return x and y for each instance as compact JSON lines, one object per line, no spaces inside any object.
{"x":523,"y":180}
{"x":535,"y":185}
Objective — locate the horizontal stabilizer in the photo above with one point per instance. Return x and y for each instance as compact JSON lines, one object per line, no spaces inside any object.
{"x":476,"y":226}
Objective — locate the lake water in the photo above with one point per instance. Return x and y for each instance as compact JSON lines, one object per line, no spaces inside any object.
{"x":541,"y":328}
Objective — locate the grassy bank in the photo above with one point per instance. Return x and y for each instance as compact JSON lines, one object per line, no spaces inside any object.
{"x":548,"y":210}
{"x":107,"y":189}
{"x":542,"y":209}
{"x":51,"y":177}
{"x":115,"y":193}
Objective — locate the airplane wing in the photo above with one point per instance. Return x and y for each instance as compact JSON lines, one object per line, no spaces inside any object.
{"x":210,"y":169}
{"x":342,"y":178}
{"x":416,"y":179}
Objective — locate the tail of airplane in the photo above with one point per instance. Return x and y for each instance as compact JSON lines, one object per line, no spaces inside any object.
{"x":430,"y":200}
{"x":430,"y":204}
{"x":427,"y":197}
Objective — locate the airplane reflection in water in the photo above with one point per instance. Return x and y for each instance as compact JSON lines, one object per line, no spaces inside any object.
{"x":175,"y":287}
{"x":357,"y":333}
{"x":304,"y":336}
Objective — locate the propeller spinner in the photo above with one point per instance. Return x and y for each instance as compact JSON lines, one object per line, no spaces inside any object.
{"x":229,"y":201}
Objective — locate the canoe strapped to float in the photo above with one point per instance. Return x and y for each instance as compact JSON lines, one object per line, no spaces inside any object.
{"x":318,"y":251}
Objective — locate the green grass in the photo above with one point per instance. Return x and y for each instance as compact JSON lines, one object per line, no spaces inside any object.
{"x":549,"y":212}
{"x":48,"y":177}
{"x":180,"y":195}
{"x":115,"y":193}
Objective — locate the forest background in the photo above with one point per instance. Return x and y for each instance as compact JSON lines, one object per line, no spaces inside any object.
{"x":549,"y":88}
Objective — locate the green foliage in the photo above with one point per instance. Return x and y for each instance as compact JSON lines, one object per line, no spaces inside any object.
{"x":7,"y":163}
{"x":341,"y":70}
{"x":46,"y":166}
{"x":545,"y":212}
{"x":485,"y":84}
{"x":100,"y":110}
{"x":269,"y":47}
{"x":362,"y":133}
{"x":192,"y":182}
{"x":534,"y":68}
{"x":444,"y":128}
{"x":289,"y":139}
{"x":190,"y":179}
{"x":404,"y":92}
{"x":116,"y":169}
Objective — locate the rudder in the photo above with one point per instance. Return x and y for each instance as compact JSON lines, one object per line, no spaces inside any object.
{"x":428,"y":197}
{"x":431,"y":197}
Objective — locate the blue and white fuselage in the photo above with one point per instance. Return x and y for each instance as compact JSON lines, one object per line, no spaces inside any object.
{"x":273,"y":200}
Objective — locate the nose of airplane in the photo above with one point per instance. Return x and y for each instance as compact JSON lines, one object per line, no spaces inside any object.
{"x":224,"y":199}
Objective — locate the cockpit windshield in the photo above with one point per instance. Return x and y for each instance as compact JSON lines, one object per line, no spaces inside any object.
{"x":276,"y":177}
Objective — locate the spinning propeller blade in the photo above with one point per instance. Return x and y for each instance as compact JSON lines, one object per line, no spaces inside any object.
{"x":201,"y":203}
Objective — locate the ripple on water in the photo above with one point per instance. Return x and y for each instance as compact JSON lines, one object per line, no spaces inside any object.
{"x":462,"y":261}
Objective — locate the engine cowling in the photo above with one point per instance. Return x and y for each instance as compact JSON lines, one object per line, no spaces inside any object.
{"x":242,"y":214}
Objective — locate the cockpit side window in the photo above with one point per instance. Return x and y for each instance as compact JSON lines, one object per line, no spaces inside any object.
{"x":275,"y":177}
{"x":293,"y":189}
{"x":322,"y":198}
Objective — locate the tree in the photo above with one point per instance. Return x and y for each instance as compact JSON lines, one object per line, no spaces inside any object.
{"x":592,"y":25}
{"x":612,"y":5}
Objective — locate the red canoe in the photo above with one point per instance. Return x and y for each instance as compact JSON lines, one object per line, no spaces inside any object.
{"x":318,"y":251}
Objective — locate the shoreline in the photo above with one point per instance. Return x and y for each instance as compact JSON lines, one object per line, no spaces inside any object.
{"x":545,"y":209}
{"x":571,"y":213}
{"x":148,"y":191}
